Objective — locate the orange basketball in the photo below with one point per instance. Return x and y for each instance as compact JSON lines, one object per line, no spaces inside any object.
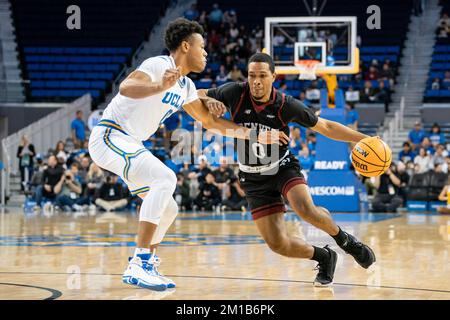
{"x":371,"y":157}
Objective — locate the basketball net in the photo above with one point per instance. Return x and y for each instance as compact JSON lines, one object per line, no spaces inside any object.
{"x":307,"y":69}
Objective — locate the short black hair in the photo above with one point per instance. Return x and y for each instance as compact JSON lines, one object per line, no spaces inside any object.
{"x":180,"y":30}
{"x":263,"y":57}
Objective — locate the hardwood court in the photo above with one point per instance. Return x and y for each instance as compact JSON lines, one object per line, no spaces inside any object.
{"x":218,"y":257}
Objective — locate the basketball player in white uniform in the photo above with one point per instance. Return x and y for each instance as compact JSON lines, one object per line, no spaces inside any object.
{"x":148,"y":96}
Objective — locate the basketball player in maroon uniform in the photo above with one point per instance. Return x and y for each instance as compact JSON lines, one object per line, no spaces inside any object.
{"x":268,"y":175}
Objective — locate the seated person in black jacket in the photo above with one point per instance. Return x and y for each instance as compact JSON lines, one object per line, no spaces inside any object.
{"x":235,"y":197}
{"x":52,"y":175}
{"x":209,"y":195}
{"x":111,"y":195}
{"x":390,"y":189}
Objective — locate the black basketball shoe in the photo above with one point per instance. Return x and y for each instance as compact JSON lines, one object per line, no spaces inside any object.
{"x":358,"y":250}
{"x":326,"y":270}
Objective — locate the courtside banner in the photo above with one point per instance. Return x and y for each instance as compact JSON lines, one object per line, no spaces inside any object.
{"x":331,"y":154}
{"x":336,"y":190}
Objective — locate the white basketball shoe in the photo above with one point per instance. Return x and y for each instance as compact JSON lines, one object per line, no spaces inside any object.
{"x":156,"y":262}
{"x":141,"y":272}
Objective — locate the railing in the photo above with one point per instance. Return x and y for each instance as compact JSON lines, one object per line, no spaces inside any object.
{"x":4,"y":89}
{"x":395,"y":125}
{"x":43,"y":133}
{"x":123,"y":72}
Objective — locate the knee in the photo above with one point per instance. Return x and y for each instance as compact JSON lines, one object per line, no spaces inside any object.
{"x":166,"y":180}
{"x":172,"y":208}
{"x":278,"y":245}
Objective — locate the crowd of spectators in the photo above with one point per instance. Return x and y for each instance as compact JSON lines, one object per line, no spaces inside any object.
{"x":423,"y":153}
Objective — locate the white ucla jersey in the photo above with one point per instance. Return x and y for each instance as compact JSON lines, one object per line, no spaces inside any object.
{"x":140,"y":118}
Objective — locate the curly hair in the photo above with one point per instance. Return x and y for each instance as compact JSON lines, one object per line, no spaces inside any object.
{"x":180,"y":30}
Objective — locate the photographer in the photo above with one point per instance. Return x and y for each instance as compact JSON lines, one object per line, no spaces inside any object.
{"x":51,"y":177}
{"x":390,"y":189}
{"x":235,"y":197}
{"x":209,"y":195}
{"x":111,"y":195}
{"x":68,"y":189}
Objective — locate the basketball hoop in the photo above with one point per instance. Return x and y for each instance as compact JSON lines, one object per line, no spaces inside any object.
{"x":307,"y":69}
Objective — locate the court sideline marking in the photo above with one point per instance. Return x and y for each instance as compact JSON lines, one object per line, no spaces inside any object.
{"x":238,"y":278}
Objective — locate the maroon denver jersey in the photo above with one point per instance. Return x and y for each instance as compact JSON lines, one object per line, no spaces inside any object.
{"x":274,"y":114}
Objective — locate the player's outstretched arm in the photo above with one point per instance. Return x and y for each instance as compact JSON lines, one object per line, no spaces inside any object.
{"x":139,"y":85}
{"x":199,"y":112}
{"x":337,"y":131}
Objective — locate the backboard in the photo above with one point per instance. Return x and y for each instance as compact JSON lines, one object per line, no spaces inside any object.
{"x":329,"y":40}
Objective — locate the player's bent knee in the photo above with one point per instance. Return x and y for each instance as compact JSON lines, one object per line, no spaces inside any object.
{"x":278,"y":245}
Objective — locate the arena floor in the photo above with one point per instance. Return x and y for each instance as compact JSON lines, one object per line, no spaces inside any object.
{"x":218,"y":257}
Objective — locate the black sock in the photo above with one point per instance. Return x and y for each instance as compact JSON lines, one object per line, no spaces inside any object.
{"x":320,"y":255}
{"x":340,"y":238}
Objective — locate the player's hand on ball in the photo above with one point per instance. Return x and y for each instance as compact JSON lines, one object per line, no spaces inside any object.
{"x":216,"y":107}
{"x":272,"y":137}
{"x":170,"y":78}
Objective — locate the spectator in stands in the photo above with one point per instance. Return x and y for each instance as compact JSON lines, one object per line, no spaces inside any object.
{"x":26,"y":153}
{"x":68,"y":189}
{"x":404,"y":177}
{"x":302,"y":98}
{"x":416,"y":135}
{"x":444,"y":19}
{"x":278,"y":39}
{"x":182,"y":192}
{"x":352,"y":117}
{"x":52,"y":175}
{"x":439,"y":156}
{"x":38,"y":174}
{"x":234,"y":32}
{"x":436,"y":85}
{"x":305,"y":159}
{"x":383,"y":94}
{"x":367,"y":94}
{"x":111,"y":195}
{"x":79,"y":129}
{"x":202,"y":18}
{"x":203,"y":169}
{"x":426,"y":144}
{"x":223,"y":174}
{"x":387,"y":74}
{"x":372,"y":74}
{"x":192,"y":13}
{"x":234,"y":196}
{"x":60,"y":152}
{"x":436,"y":136}
{"x":295,"y":141}
{"x":223,"y":75}
{"x":283,"y":88}
{"x":230,"y":17}
{"x":209,"y":195}
{"x":213,"y":39}
{"x":311,"y":142}
{"x":85,"y":164}
{"x":351,"y":96}
{"x":312,"y":92}
{"x":446,"y":81}
{"x":215,"y":16}
{"x":387,"y":198}
{"x":407,"y":154}
{"x":445,"y":196}
{"x":236,"y":74}
{"x":94,"y":181}
{"x":423,"y":160}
